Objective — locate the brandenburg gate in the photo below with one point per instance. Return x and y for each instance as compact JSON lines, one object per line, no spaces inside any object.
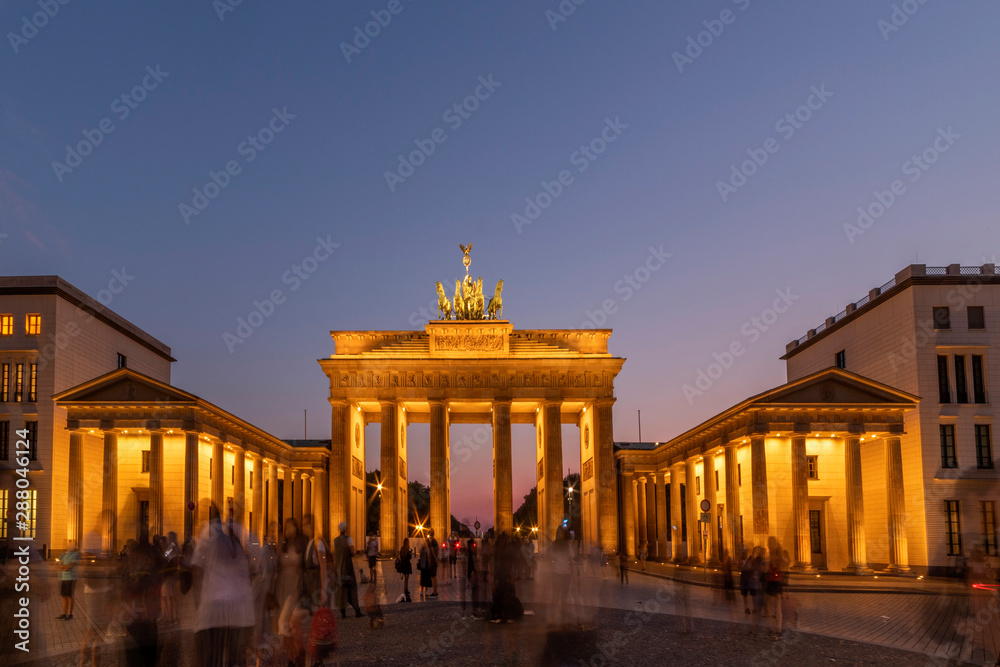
{"x":472,"y":367}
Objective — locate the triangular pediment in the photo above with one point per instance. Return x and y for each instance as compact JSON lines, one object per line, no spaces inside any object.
{"x":124,"y":385}
{"x":836,"y":386}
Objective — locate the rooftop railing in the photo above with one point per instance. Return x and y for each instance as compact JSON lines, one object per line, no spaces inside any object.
{"x":912,"y":270}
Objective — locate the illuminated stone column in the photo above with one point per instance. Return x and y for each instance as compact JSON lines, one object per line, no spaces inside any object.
{"x":758,"y":480}
{"x":553,"y":468}
{"x":257,"y":493}
{"x":503,"y":481}
{"x":297,"y":495}
{"x":240,"y":484}
{"x":75,"y":517}
{"x":340,"y":464}
{"x":606,"y":482}
{"x":662,"y":520}
{"x":676,"y":520}
{"x":439,"y":468}
{"x":708,"y":484}
{"x":855,"y":507}
{"x":305,"y":481}
{"x":287,"y":508}
{"x":109,"y":495}
{"x":390,"y":478}
{"x":651,"y":535}
{"x":800,"y":504}
{"x":628,"y":487}
{"x":691,"y":508}
{"x":218,"y":477}
{"x":899,"y":559}
{"x":642,"y":523}
{"x":320,"y":511}
{"x":733,"y":542}
{"x":190,"y":483}
{"x":156,"y":482}
{"x":272,"y":495}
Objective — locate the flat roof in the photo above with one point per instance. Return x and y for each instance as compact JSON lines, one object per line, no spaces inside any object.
{"x":44,"y":285}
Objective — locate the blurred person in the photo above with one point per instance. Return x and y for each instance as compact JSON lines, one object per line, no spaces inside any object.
{"x":288,"y":588}
{"x":728,"y":584}
{"x":506,"y":605}
{"x":343,"y":572}
{"x":68,"y":562}
{"x":406,"y":567}
{"x":453,"y":548}
{"x":774,"y":580}
{"x":746,"y":572}
{"x":426,"y":555}
{"x":141,"y":576}
{"x":263,"y":573}
{"x":469,"y":576}
{"x":757,"y":572}
{"x":682,"y":606}
{"x":314,"y":572}
{"x":623,"y":568}
{"x":171,"y":577}
{"x":224,"y":619}
{"x":371,"y":550}
{"x":560,"y":556}
{"x":436,"y":553}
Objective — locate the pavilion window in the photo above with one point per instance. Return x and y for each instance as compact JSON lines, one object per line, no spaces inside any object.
{"x":697,"y":486}
{"x":3,"y":512}
{"x":988,"y":512}
{"x":32,"y":428}
{"x":4,"y":444}
{"x":812,"y":467}
{"x":942,"y":317}
{"x":18,"y":382}
{"x":6,"y":324}
{"x":977,"y":318}
{"x":840,"y":359}
{"x":953,"y":527}
{"x":948,"y":457}
{"x":984,"y":448}
{"x":944,"y":393}
{"x":961,"y":388}
{"x":978,"y":379}
{"x":716,"y":480}
{"x":5,"y":378}
{"x":33,"y":324}
{"x":32,"y":383}
{"x":146,"y":459}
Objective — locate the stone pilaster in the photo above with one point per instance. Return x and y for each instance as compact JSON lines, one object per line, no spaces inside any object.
{"x":641,"y":521}
{"x":628,"y":487}
{"x":218,"y":477}
{"x":503,"y":482}
{"x":109,"y":495}
{"x":605,"y":478}
{"x":899,"y":559}
{"x":733,"y":542}
{"x":662,"y":520}
{"x":800,"y":504}
{"x":691,"y":508}
{"x":390,"y":478}
{"x":240,"y":484}
{"x":439,"y":469}
{"x":676,"y":520}
{"x":272,"y":495}
{"x":76,"y":494}
{"x":156,"y":482}
{"x":320,"y":510}
{"x":190,"y":483}
{"x":297,"y":494}
{"x":856,"y":551}
{"x":257,"y":494}
{"x":651,"y":535}
{"x":287,"y":508}
{"x":553,"y":468}
{"x":340,"y":463}
{"x":708,"y":484}
{"x":758,"y":480}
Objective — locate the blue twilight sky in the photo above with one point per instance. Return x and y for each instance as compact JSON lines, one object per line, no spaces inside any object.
{"x":885,"y":80}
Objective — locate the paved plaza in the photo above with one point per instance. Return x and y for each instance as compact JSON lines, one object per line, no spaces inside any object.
{"x":886,"y":621}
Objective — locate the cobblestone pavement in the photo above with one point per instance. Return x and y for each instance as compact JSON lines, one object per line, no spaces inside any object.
{"x":857,"y":627}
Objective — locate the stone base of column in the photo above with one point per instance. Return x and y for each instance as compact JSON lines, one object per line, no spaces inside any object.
{"x":803,"y":567}
{"x":898,"y":569}
{"x":858,"y":569}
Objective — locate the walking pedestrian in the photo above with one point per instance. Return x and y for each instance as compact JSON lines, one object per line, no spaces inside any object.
{"x":436,"y":553}
{"x":288,"y":588}
{"x":67,"y":575}
{"x":642,"y":556}
{"x":424,"y":565}
{"x":406,"y":567}
{"x":263,"y":571}
{"x":727,"y":577}
{"x":371,"y":550}
{"x":623,"y":568}
{"x":746,"y":572}
{"x":171,"y":577}
{"x":315,"y":580}
{"x":774,"y":583}
{"x":469,"y":576}
{"x":343,"y":567}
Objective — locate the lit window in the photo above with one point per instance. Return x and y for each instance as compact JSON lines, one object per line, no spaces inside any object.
{"x":984,"y":448}
{"x":4,"y":447}
{"x":18,"y":382}
{"x":840,"y":359}
{"x":146,"y":460}
{"x":3,"y":512}
{"x":32,"y":383}
{"x":953,"y":527}
{"x":942,"y":317}
{"x":977,"y":319}
{"x":812,"y":467}
{"x":6,"y":324}
{"x":5,"y":377}
{"x":948,"y":458}
{"x":33,"y":324}
{"x":988,"y":510}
